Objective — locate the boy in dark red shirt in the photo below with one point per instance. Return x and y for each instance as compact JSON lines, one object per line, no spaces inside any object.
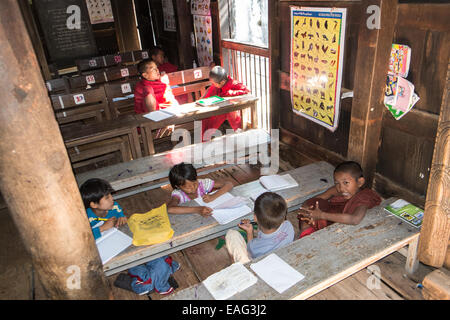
{"x":222,"y":86}
{"x":152,"y":92}
{"x":157,"y":55}
{"x":346,"y":202}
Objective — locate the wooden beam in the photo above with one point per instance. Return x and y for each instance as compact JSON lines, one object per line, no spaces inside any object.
{"x":125,"y":24}
{"x":275,"y":63}
{"x":36,"y":178}
{"x":372,"y":60}
{"x":182,"y":9}
{"x":435,"y":232}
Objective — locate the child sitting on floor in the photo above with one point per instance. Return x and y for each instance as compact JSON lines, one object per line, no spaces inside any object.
{"x":346,"y":202}
{"x":104,"y":213}
{"x":186,"y":187}
{"x":274,"y":230}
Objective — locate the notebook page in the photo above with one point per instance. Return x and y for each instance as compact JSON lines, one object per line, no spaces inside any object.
{"x":158,"y":115}
{"x":111,"y":245}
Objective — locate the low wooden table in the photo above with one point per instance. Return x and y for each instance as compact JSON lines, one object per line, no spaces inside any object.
{"x":82,"y":134}
{"x":192,"y":229}
{"x":235,"y":104}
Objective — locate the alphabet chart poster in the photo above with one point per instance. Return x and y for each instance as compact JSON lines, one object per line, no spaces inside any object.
{"x":100,"y":11}
{"x":317,"y":47}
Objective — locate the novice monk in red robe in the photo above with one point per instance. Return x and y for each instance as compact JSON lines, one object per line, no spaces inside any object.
{"x":345,"y":202}
{"x":152,"y":92}
{"x":222,"y":86}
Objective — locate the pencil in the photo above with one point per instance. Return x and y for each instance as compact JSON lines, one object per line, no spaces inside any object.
{"x":101,"y":219}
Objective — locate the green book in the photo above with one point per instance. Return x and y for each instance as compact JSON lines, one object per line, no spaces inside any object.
{"x":210,"y":101}
{"x":406,"y":211}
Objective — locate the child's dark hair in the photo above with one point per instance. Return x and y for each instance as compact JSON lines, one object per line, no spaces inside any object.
{"x":218,"y":74}
{"x":142,"y":66}
{"x":93,"y":190}
{"x":351,"y":167}
{"x":180,"y":173}
{"x":155,"y":50}
{"x":270,"y":210}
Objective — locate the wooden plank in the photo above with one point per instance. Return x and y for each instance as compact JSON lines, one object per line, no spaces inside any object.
{"x":327,"y":256}
{"x":436,"y":285}
{"x":367,"y":108}
{"x":431,"y":16}
{"x":157,"y":166}
{"x":190,"y":229}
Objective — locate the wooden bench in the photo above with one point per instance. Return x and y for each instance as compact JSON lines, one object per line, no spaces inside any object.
{"x":328,"y":256}
{"x":110,"y":60}
{"x":58,"y":85}
{"x":152,"y":171}
{"x":101,"y":76}
{"x":126,"y":127}
{"x":191,"y":229}
{"x":81,"y":105}
{"x":192,"y":82}
{"x":121,"y":97}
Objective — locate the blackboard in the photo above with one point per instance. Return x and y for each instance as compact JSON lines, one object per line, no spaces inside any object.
{"x":65,"y":44}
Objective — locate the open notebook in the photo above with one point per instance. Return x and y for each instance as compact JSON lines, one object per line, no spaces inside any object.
{"x":111,"y":243}
{"x":274,"y":183}
{"x":226,"y":208}
{"x":171,"y":111}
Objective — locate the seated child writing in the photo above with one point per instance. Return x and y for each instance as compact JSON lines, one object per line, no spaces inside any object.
{"x":152,"y":92}
{"x":103,"y":212}
{"x":223,"y":86}
{"x":346,"y":202}
{"x":186,"y":187}
{"x":274,"y":230}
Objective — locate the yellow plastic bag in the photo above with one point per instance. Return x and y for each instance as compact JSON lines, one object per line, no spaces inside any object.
{"x":151,"y":227}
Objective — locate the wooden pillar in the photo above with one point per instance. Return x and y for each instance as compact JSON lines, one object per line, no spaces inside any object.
{"x":36,"y":178}
{"x":372,"y":61}
{"x":275,"y":64}
{"x":435,"y":232}
{"x":185,"y":27}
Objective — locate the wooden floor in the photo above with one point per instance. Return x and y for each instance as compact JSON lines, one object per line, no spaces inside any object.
{"x":385,"y":280}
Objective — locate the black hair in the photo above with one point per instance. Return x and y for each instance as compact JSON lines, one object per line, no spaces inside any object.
{"x":218,"y":74}
{"x":142,"y":66}
{"x":351,"y":167}
{"x":180,"y":173}
{"x":270,"y":210}
{"x":155,"y":51}
{"x":93,"y":190}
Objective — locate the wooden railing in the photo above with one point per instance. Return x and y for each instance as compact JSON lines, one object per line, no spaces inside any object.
{"x":250,"y":65}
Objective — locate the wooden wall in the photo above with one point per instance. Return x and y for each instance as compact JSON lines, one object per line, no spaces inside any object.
{"x":405,"y":146}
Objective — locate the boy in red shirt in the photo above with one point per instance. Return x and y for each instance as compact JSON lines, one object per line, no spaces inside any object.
{"x":157,"y":55}
{"x":346,"y":202}
{"x":223,"y":86}
{"x":152,"y":92}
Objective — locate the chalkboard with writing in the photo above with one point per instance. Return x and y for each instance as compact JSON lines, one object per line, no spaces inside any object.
{"x":67,"y":29}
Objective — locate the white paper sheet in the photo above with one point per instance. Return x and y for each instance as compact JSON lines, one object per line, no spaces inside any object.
{"x":277,"y":182}
{"x":276,"y":273}
{"x":111,"y":243}
{"x":158,"y":115}
{"x":229,"y":281}
{"x":226,"y":208}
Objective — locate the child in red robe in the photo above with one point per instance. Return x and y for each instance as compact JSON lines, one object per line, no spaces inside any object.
{"x":222,"y":86}
{"x":346,"y":202}
{"x":152,"y":92}
{"x":157,"y":54}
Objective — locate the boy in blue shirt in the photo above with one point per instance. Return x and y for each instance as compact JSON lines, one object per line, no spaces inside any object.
{"x":103,"y":212}
{"x":274,"y":230}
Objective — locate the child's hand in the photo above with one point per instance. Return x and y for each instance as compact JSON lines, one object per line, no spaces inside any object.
{"x":108,"y":224}
{"x":205,"y":211}
{"x":121,"y":221}
{"x":246,"y":225}
{"x":208,"y":198}
{"x":304,"y":215}
{"x":314,"y":213}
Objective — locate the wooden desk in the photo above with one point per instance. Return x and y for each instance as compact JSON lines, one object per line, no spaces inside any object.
{"x":235,"y":104}
{"x":327,"y":256}
{"x":191,"y":229}
{"x":82,"y":134}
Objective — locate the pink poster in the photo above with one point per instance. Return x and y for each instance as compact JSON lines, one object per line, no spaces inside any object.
{"x":203,"y":36}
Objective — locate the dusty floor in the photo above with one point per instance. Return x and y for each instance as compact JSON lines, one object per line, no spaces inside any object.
{"x":19,"y":281}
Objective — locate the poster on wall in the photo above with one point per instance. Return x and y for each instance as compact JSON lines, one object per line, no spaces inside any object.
{"x":170,"y":23}
{"x":100,"y":11}
{"x":203,"y":31}
{"x":317,"y":48}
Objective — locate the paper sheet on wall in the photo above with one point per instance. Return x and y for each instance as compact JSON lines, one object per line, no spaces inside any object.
{"x":276,"y":273}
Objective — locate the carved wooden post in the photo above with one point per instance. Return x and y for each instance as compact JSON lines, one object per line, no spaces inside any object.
{"x":435,"y":232}
{"x":36,"y":178}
